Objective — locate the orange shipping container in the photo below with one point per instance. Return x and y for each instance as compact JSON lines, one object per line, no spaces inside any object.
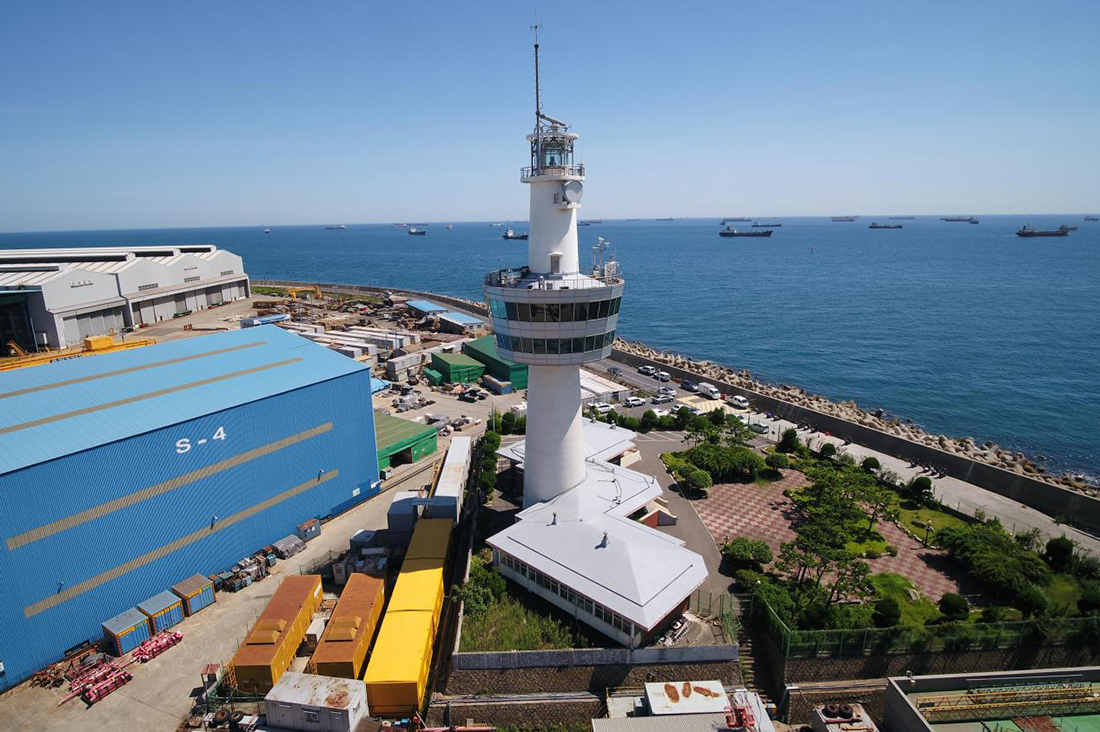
{"x":343,"y":646}
{"x":271,"y":645}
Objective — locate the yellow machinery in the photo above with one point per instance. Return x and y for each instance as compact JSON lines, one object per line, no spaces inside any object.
{"x":293,"y":292}
{"x":92,"y":345}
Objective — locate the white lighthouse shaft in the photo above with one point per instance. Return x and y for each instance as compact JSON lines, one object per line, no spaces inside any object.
{"x":553,"y":229}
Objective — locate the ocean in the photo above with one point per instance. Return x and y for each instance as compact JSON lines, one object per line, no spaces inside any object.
{"x":966,"y":330}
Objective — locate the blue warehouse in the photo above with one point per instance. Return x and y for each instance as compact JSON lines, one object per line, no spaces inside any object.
{"x":123,"y":474}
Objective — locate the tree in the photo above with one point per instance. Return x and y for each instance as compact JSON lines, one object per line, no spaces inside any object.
{"x":650,"y":421}
{"x":788,"y":441}
{"x":735,"y":432}
{"x":828,"y":450}
{"x":717,"y":417}
{"x":887,"y":613}
{"x":491,"y":442}
{"x":682,"y":416}
{"x":1031,"y":601}
{"x":699,"y":479}
{"x":777,"y":461}
{"x":1059,"y":554}
{"x":1089,"y":602}
{"x":508,"y":423}
{"x":870,"y":464}
{"x":746,"y":553}
{"x":954,"y":607}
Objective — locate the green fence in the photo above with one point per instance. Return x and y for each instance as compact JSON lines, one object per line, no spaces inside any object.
{"x":906,"y":639}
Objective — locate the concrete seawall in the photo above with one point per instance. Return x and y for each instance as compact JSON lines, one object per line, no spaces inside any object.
{"x":1077,"y":508}
{"x":453,"y":302}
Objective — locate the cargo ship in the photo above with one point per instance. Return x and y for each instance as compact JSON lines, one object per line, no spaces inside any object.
{"x":509,"y":234}
{"x":337,"y":227}
{"x":1028,"y":231}
{"x":418,"y":232}
{"x":757,"y":225}
{"x":875,"y":225}
{"x":1063,"y":227}
{"x":730,"y":231}
{"x":903,"y":218}
{"x":1092,"y":218}
{"x":728,"y":219}
{"x":957,"y":219}
{"x":844,"y":219}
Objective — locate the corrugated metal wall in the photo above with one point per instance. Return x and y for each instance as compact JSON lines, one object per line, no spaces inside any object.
{"x":81,"y":542}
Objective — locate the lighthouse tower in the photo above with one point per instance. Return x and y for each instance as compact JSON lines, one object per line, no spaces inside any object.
{"x":551,"y":314}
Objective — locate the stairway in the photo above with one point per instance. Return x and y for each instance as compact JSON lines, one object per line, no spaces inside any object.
{"x":756,"y":669}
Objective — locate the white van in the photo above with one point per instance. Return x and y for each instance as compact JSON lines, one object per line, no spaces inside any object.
{"x":710,"y":390}
{"x":739,"y":402}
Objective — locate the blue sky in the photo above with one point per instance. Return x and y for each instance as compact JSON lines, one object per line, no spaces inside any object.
{"x":127,"y":115}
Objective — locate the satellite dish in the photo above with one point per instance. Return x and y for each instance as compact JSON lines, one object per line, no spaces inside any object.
{"x":572,"y":190}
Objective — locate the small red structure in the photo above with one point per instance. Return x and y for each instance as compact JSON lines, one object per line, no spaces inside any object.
{"x":156,"y":645}
{"x":97,"y":691}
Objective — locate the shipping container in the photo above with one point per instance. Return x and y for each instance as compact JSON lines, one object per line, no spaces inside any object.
{"x":343,"y":647}
{"x":363,"y":539}
{"x":398,"y":669}
{"x":196,"y":592}
{"x":271,"y":645}
{"x":188,"y":455}
{"x":310,"y":529}
{"x":288,"y":546}
{"x":457,"y":368}
{"x":163,"y":609}
{"x":125,"y":631}
{"x":419,"y":588}
{"x":484,"y":349}
{"x":431,"y":539}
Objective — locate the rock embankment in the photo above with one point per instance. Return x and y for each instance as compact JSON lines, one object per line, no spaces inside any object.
{"x":966,"y":447}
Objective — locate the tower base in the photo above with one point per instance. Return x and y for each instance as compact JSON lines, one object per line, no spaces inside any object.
{"x":553,"y":460}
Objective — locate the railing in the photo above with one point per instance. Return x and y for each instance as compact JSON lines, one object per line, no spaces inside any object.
{"x":530,"y":172}
{"x":506,"y":277}
{"x":513,"y":276}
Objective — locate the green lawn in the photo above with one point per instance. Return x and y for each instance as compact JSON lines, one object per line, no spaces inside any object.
{"x":913,"y":613}
{"x":909,"y":513}
{"x":507,"y":625}
{"x":1063,"y":592}
{"x":859,"y":548}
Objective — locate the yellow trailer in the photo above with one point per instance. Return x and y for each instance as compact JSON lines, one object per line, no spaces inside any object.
{"x":397,"y":673}
{"x":419,"y":588}
{"x":431,"y":539}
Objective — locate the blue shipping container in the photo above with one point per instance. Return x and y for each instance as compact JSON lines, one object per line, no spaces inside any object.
{"x":164,"y":609}
{"x":188,"y":455}
{"x":125,"y":631}
{"x":196,"y":592}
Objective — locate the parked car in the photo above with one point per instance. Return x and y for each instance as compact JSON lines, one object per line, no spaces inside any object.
{"x":661,"y":413}
{"x":668,"y":390}
{"x":614,"y":371}
{"x":738,"y":401}
{"x":758,"y":428}
{"x":689,"y":385}
{"x":634,"y":401}
{"x":710,"y":390}
{"x":661,"y":399}
{"x":662,"y":376}
{"x":601,"y":407}
{"x":647,"y":370}
{"x":696,"y":411}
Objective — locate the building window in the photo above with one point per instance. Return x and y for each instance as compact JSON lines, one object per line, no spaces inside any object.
{"x":617,"y":301}
{"x":580,"y":311}
{"x":590,"y":343}
{"x":524,"y":312}
{"x":605,"y":308}
{"x":510,"y":309}
{"x":567,"y":312}
{"x":311,"y":715}
{"x":226,"y":272}
{"x":191,"y":279}
{"x":566,"y":346}
{"x":150,"y":286}
{"x":538,"y":312}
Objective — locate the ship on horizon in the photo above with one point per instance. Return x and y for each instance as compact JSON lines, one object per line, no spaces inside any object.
{"x":728,"y":219}
{"x":338,"y":227}
{"x":758,"y":225}
{"x":957,"y":219}
{"x":730,"y":231}
{"x":876,"y":225}
{"x":1092,"y":218}
{"x":844,"y":219}
{"x":1027,"y":231}
{"x":510,"y":234}
{"x":903,"y":218}
{"x":413,"y":231}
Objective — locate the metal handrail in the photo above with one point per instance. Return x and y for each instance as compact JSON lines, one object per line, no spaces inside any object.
{"x":512,"y":276}
{"x":530,"y":172}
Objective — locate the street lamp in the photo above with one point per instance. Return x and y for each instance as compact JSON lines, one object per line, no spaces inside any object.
{"x":927,"y":531}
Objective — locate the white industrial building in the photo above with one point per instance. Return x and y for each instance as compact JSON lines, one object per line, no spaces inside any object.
{"x":575,"y":543}
{"x":56,"y":297}
{"x":311,"y":702}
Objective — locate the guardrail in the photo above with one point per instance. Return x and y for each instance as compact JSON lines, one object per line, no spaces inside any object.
{"x":530,"y":172}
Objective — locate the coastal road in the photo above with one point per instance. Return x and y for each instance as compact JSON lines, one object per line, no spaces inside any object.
{"x":965,"y":497}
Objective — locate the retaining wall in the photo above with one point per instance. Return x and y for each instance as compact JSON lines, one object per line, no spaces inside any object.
{"x":592,"y":657}
{"x":595,"y":678}
{"x":1078,"y":508}
{"x":523,"y":715}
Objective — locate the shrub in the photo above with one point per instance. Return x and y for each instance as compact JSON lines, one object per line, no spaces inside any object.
{"x":491,"y":442}
{"x":725,"y":463}
{"x":891,"y":550}
{"x":748,"y":579}
{"x":749,"y":553}
{"x":872,"y":554}
{"x":954,"y":607}
{"x":994,"y":614}
{"x":828,"y":450}
{"x":789,"y":441}
{"x":870,"y":464}
{"x":1089,"y":602}
{"x":887,"y":613}
{"x":991,"y":555}
{"x":919,"y":489}
{"x":1059,"y":554}
{"x":777,"y":461}
{"x":508,"y":423}
{"x":668,"y":422}
{"x":699,"y":479}
{"x":650,"y":421}
{"x":632,"y":423}
{"x":1031,"y":601}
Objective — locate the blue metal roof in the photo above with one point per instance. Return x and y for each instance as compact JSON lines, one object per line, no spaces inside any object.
{"x":159,"y":602}
{"x":68,"y":406}
{"x":377,"y":385}
{"x":426,"y":306}
{"x":460,"y":318}
{"x":125,"y":620}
